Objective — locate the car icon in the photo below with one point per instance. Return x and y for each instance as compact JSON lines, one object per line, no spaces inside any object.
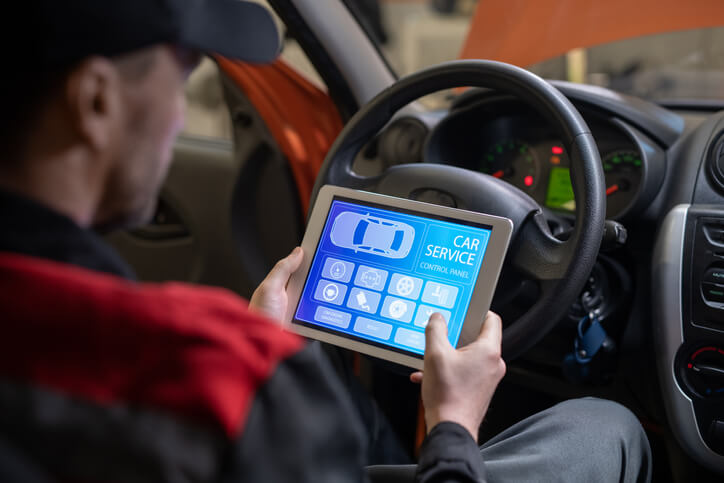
{"x":371,"y":234}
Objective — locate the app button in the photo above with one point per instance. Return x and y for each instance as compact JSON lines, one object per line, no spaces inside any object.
{"x":405,"y":286}
{"x":332,"y":317}
{"x":338,"y":270}
{"x":363,"y":300}
{"x":371,"y":278}
{"x":398,"y":309}
{"x":425,"y":311}
{"x":410,"y":338}
{"x":440,"y":294}
{"x":330,"y":292}
{"x":373,"y":328}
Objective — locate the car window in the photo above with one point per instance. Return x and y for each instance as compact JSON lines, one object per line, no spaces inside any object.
{"x":669,"y":66}
{"x":206,"y":111}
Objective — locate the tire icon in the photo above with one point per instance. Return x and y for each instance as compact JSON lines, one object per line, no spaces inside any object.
{"x":405,"y":286}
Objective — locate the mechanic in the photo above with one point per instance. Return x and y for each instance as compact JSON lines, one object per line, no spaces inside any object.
{"x":106,"y":379}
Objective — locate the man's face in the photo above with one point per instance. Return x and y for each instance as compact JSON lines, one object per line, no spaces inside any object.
{"x":153,"y":115}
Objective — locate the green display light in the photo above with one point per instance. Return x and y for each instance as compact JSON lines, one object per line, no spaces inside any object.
{"x":560,"y":191}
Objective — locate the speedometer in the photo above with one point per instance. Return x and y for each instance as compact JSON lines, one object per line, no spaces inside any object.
{"x":623,"y":176}
{"x":514,"y":161}
{"x":623,"y":173}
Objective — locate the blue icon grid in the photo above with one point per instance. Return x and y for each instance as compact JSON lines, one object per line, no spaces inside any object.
{"x":379,"y":274}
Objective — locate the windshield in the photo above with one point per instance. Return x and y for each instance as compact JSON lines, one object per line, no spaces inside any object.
{"x":674,"y":67}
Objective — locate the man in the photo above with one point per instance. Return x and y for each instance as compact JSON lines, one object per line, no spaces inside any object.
{"x":106,"y":379}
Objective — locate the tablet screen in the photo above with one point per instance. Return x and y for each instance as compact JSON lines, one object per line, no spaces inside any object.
{"x":378,"y":273}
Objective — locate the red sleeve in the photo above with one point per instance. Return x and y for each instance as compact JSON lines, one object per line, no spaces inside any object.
{"x":194,"y":351}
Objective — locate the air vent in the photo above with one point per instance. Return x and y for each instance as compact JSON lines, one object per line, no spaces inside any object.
{"x":716,"y":164}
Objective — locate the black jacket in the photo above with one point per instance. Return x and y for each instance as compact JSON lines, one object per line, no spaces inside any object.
{"x":165,"y":422}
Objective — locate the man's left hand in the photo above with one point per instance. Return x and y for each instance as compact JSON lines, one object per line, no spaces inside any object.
{"x":270,"y":297}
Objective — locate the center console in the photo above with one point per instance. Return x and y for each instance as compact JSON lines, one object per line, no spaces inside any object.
{"x":688,"y":306}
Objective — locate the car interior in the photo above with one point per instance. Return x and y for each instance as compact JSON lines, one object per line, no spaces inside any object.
{"x":617,"y":200}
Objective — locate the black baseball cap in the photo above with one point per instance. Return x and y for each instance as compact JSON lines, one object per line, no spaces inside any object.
{"x":59,"y":33}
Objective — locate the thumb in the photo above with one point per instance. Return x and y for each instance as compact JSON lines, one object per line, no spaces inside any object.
{"x":436,"y":335}
{"x":491,"y":330}
{"x":279,"y":275}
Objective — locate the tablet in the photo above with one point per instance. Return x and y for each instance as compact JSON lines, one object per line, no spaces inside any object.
{"x":376,"y":267}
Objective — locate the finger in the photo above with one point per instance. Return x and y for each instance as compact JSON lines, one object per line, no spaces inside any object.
{"x":492,"y":329}
{"x":436,"y":335}
{"x":416,"y":377}
{"x":279,"y":275}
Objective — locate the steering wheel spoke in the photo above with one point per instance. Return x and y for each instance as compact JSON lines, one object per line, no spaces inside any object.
{"x":459,"y":188}
{"x":536,"y":253}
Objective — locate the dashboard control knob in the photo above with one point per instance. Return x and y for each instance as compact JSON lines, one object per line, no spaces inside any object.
{"x":704,"y":372}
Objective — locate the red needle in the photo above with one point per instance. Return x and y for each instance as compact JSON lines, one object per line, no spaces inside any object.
{"x":498,"y":174}
{"x":611,"y":189}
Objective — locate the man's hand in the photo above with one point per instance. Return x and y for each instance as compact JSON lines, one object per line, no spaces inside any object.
{"x":270,"y":297}
{"x":458,"y":384}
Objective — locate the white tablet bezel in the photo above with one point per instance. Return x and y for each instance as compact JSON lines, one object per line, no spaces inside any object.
{"x":481,"y":296}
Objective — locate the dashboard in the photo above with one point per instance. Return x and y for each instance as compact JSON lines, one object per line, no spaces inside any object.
{"x":664,"y":176}
{"x":505,"y":139}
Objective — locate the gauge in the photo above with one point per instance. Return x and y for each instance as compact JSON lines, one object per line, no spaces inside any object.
{"x":514,"y":161}
{"x":623,"y":177}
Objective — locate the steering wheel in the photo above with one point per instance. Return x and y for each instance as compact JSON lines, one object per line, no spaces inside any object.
{"x":560,"y":267}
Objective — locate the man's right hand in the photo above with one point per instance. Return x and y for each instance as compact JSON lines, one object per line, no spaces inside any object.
{"x":458,"y":384}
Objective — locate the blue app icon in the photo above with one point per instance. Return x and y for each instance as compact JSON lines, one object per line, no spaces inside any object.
{"x":330,"y":292}
{"x":405,"y":286}
{"x":373,"y":328}
{"x":398,"y":309}
{"x":363,"y":300}
{"x":440,"y":294}
{"x":332,"y":317}
{"x":371,"y":278}
{"x":410,"y":338}
{"x":425,"y":311}
{"x":338,"y":270}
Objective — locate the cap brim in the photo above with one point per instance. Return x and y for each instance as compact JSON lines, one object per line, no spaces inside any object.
{"x":233,"y":28}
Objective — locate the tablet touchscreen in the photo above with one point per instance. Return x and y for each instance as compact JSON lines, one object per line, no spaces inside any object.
{"x":378,"y":273}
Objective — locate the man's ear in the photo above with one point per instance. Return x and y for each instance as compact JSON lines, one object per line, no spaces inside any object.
{"x":93,"y":98}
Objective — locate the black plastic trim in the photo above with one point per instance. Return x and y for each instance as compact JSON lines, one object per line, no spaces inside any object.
{"x":701,"y":323}
{"x":663,"y":126}
{"x":339,"y":91}
{"x":716,"y":175}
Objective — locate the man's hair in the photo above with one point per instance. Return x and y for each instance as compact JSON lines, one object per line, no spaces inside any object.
{"x":25,"y":89}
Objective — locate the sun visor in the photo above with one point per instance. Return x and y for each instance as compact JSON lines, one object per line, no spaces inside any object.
{"x":524,"y":32}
